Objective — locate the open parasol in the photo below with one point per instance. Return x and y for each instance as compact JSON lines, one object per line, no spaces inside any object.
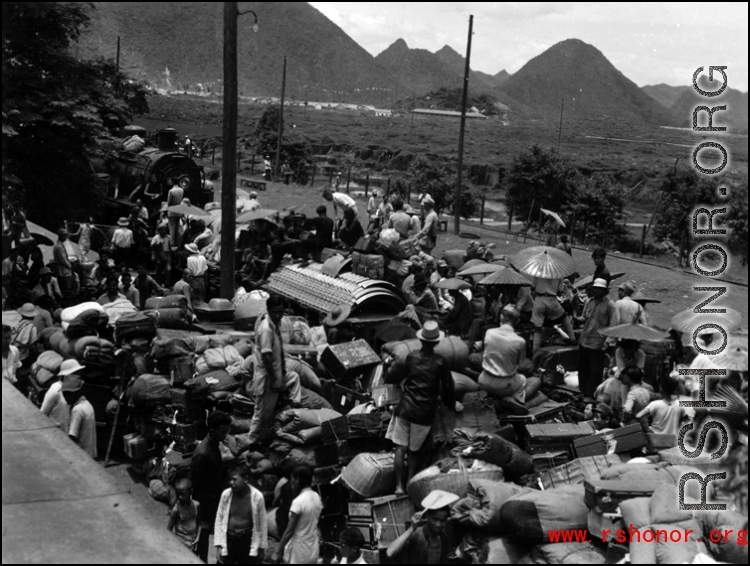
{"x":259,"y":214}
{"x":395,"y":330}
{"x":640,"y":297}
{"x":505,"y":276}
{"x":452,"y":284}
{"x":188,"y":210}
{"x":734,"y":356}
{"x":554,"y":216}
{"x":689,"y":321}
{"x":589,"y":279}
{"x":42,"y":236}
{"x":481,"y":269}
{"x":543,"y":262}
{"x":634,"y":332}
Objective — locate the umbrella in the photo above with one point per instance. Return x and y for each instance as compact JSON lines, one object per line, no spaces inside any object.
{"x":505,"y":276}
{"x":554,"y":216}
{"x":259,"y":214}
{"x":639,"y":297}
{"x":452,"y":284}
{"x":482,"y":269}
{"x":543,"y":262}
{"x":188,"y":210}
{"x":589,"y":279}
{"x":41,"y":235}
{"x":634,"y":332}
{"x":395,"y":330}
{"x":734,"y":356}
{"x":689,"y":321}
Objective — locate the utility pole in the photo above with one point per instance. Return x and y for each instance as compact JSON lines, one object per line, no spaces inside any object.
{"x":459,"y":179}
{"x":559,"y":131}
{"x":117,"y":66}
{"x":281,"y":121}
{"x":413,"y":106}
{"x":229,"y":157}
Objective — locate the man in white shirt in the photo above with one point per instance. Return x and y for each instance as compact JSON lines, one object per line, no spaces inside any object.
{"x":11,"y":356}
{"x":629,"y":311}
{"x":299,"y":544}
{"x":198,"y":266}
{"x":427,"y":237}
{"x":340,"y":200}
{"x":504,"y":350}
{"x":399,"y":220}
{"x":82,"y":419}
{"x":174,"y":197}
{"x":547,"y":307}
{"x":122,"y":241}
{"x":251,"y":203}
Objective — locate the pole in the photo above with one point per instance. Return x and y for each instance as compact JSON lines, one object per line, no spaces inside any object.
{"x":459,"y":179}
{"x":367,"y":183}
{"x":228,"y":166}
{"x":312,"y":178}
{"x":481,"y":214}
{"x":510,"y":217}
{"x":643,"y":240}
{"x":413,"y":106}
{"x":281,"y":121}
{"x":117,"y":66}
{"x":252,"y":165}
{"x":388,"y":187}
{"x":348,"y":180}
{"x":559,"y":131}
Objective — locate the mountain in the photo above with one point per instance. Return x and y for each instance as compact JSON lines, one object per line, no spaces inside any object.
{"x":179,"y":45}
{"x":663,"y":93}
{"x":419,"y":70}
{"x":500,"y":78}
{"x":457,"y":63}
{"x":734,"y":117}
{"x":589,"y":83}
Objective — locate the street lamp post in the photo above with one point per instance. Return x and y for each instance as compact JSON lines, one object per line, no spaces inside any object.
{"x":459,"y":177}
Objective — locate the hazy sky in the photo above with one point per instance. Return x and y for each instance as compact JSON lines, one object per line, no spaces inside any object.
{"x":649,"y":42}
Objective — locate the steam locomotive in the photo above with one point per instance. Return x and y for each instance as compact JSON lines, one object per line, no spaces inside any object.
{"x":128,"y":172}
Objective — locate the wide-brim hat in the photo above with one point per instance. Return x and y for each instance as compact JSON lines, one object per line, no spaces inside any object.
{"x":69,"y":367}
{"x":628,"y":287}
{"x":439,"y":499}
{"x":600,"y":284}
{"x":28,"y":311}
{"x":192,"y":248}
{"x":123,"y":222}
{"x":430,"y":332}
{"x":338,"y":315}
{"x":71,"y":384}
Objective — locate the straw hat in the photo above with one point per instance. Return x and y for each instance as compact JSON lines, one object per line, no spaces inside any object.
{"x":600,"y":284}
{"x":192,"y":248}
{"x":430,"y":332}
{"x":28,"y":311}
{"x":123,"y":222}
{"x":338,"y":315}
{"x":439,"y":499}
{"x":71,"y":384}
{"x":68,"y":367}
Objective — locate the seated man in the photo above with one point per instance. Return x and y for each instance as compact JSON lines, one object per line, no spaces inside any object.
{"x":504,"y":350}
{"x":458,"y":321}
{"x":351,"y":230}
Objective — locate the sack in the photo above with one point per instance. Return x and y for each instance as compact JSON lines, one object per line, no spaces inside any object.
{"x":71,"y":313}
{"x":161,"y":492}
{"x":295,"y":330}
{"x":530,"y":516}
{"x":240,"y":423}
{"x":172,"y":318}
{"x":213,"y":382}
{"x":296,"y":420}
{"x":171,"y":345}
{"x":568,"y":553}
{"x":174,"y":302}
{"x":482,"y":445}
{"x":50,"y":361}
{"x":481,"y":508}
{"x":311,"y":400}
{"x":307,"y":376}
{"x":85,"y":324}
{"x":452,"y":348}
{"x":95,"y":351}
{"x":149,"y":391}
{"x":308,"y":436}
{"x":302,"y":456}
{"x":135,"y":325}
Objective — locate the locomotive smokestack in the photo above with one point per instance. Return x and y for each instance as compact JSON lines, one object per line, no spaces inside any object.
{"x":166,"y":139}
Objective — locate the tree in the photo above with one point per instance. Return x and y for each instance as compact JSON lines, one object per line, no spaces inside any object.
{"x":597,"y":205}
{"x":55,"y":107}
{"x":539,"y":178}
{"x":295,"y":148}
{"x":431,"y":176}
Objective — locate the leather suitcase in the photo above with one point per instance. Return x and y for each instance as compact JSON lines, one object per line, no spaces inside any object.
{"x":342,"y":399}
{"x":365,"y":245}
{"x":554,"y":437}
{"x":136,"y":446}
{"x":605,"y":496}
{"x":344,"y":361}
{"x":135,"y":325}
{"x":546,"y":460}
{"x":626,"y":439}
{"x":172,"y":318}
{"x":181,"y":370}
{"x":342,"y":452}
{"x":579,"y":470}
{"x":355,"y":426}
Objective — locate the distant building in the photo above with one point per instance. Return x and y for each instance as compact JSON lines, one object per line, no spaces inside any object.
{"x":383,"y":112}
{"x":446,"y":113}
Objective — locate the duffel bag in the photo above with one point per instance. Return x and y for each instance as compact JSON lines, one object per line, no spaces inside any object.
{"x":213,"y":382}
{"x":93,"y":350}
{"x":51,"y":361}
{"x":174,"y":302}
{"x":481,"y":508}
{"x":85,"y":324}
{"x":150,"y":391}
{"x":135,"y":325}
{"x":44,"y":377}
{"x":172,"y":318}
{"x":169,"y":345}
{"x":71,"y":313}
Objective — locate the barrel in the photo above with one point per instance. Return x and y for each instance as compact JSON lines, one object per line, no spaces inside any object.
{"x":452,"y":348}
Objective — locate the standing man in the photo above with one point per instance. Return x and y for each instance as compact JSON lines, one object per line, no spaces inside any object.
{"x":299,"y":543}
{"x":598,"y":313}
{"x":198,"y":267}
{"x":82,"y":419}
{"x":428,"y":235}
{"x":372,"y":205}
{"x":207,"y":476}
{"x":426,"y":377}
{"x":548,"y":307}
{"x":122,"y":242}
{"x":323,"y":227}
{"x":399,"y":220}
{"x":286,"y":172}
{"x":271,"y":376}
{"x":174,"y":197}
{"x":184,"y":287}
{"x":161,"y":254}
{"x":628,"y":311}
{"x":267,"y":168}
{"x":504,"y":350}
{"x":340,"y":200}
{"x":599,"y":255}
{"x":241,"y":528}
{"x":60,"y":257}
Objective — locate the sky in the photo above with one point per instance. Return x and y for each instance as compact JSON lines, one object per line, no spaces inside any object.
{"x":650,"y":43}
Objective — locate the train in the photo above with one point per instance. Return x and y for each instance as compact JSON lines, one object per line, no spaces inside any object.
{"x":146,"y":173}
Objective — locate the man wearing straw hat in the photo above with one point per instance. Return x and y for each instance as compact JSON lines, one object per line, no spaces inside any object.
{"x":198,"y":266}
{"x":82,"y":428}
{"x":598,"y":313}
{"x":122,"y":241}
{"x":427,"y":540}
{"x":425,"y":376}
{"x":54,"y":404}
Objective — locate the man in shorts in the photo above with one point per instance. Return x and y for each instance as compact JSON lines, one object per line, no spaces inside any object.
{"x":425,"y":376}
{"x":547,"y":307}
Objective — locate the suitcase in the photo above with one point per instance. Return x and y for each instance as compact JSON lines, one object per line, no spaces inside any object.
{"x":554,"y":437}
{"x":547,"y":412}
{"x":549,"y":357}
{"x":365,"y":245}
{"x":181,"y":370}
{"x":342,"y":452}
{"x":579,"y":470}
{"x":136,"y":446}
{"x":344,"y":361}
{"x":342,"y":399}
{"x":601,"y":522}
{"x":172,"y":318}
{"x":135,"y":325}
{"x":355,"y":426}
{"x":387,"y":395}
{"x":626,"y":439}
{"x":393,"y":509}
{"x":546,"y":460}
{"x":605,"y":496}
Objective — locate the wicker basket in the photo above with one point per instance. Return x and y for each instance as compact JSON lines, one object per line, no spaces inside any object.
{"x":456,"y":482}
{"x":370,"y":475}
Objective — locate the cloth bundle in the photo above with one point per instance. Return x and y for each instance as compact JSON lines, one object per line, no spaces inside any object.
{"x":480,"y":509}
{"x":218,"y":358}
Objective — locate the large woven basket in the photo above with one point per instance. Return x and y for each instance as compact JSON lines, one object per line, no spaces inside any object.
{"x":370,"y":475}
{"x":457,"y":482}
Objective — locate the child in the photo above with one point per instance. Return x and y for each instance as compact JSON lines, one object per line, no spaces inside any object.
{"x":184,"y":518}
{"x":638,"y":396}
{"x":666,"y":413}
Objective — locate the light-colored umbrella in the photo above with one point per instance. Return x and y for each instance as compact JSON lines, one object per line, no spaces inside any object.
{"x":260,"y":214}
{"x":505,"y":276}
{"x":481,"y":269}
{"x":734,"y":356}
{"x":41,"y":235}
{"x":634,"y":332}
{"x":689,"y":321}
{"x":554,"y":216}
{"x":188,"y":210}
{"x":452,"y":284}
{"x":543,"y":262}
